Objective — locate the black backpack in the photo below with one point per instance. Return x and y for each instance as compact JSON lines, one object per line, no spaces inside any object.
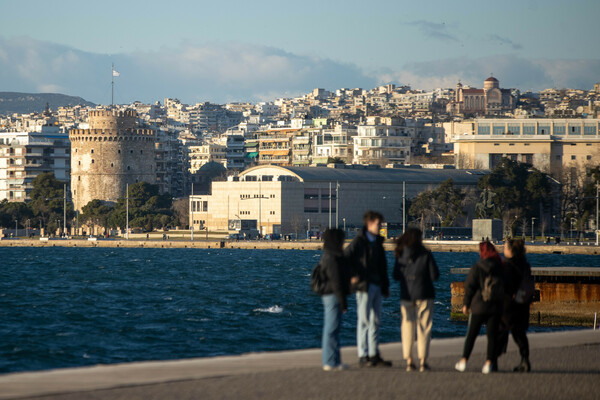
{"x":317,"y":281}
{"x":492,"y":287}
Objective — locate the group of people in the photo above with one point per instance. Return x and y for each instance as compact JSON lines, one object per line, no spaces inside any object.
{"x":493,"y":296}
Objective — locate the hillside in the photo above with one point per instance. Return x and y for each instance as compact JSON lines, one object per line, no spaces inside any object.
{"x":15,"y":102}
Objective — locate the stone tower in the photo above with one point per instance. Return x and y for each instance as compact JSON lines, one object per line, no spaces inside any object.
{"x":112,"y":153}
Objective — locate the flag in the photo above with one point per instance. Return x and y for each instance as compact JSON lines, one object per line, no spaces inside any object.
{"x":115,"y":73}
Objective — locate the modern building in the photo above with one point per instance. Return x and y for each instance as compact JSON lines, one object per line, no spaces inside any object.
{"x":288,"y":199}
{"x":550,"y":145}
{"x":25,"y":155}
{"x":112,"y":153}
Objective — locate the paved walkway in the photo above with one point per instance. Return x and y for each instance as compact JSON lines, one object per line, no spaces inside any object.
{"x":565,"y":365}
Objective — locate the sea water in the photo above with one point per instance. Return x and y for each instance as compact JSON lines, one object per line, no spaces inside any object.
{"x":67,"y":307}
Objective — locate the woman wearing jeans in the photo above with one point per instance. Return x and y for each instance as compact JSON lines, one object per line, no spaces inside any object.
{"x":416,"y":270}
{"x":334,"y":273}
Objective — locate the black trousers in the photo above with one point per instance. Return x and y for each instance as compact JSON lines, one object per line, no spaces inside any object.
{"x":491,"y":321}
{"x":519,"y":321}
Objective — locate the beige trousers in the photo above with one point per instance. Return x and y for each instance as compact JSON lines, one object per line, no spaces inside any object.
{"x":417,"y":319}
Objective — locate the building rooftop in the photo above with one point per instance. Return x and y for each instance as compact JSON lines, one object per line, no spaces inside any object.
{"x":351,"y":173}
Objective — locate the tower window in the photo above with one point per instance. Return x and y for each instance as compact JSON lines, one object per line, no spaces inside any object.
{"x":119,"y":151}
{"x":131,"y":151}
{"x":141,"y":151}
{"x":92,"y":160}
{"x":111,"y":164}
{"x":128,"y":168}
{"x":92,"y":151}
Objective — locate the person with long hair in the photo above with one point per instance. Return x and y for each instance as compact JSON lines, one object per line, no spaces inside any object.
{"x":483,"y":302}
{"x":415,"y":269}
{"x":520,"y":287}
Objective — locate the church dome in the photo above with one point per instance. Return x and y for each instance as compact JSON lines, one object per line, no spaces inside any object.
{"x":491,"y":79}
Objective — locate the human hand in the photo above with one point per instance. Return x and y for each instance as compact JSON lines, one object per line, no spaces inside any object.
{"x":354,"y":280}
{"x":465,"y":310}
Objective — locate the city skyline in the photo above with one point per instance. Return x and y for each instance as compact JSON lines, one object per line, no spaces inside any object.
{"x":243,"y":52}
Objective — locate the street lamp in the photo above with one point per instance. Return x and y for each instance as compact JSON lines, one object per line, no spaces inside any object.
{"x":308,"y":229}
{"x":572,"y":226}
{"x":344,"y":219}
{"x":532,"y":231}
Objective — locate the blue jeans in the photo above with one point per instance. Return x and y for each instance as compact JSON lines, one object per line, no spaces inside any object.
{"x":332,"y":322}
{"x":368,"y":313}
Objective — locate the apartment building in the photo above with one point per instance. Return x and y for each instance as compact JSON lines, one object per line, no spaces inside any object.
{"x":382,"y":141}
{"x":25,"y":155}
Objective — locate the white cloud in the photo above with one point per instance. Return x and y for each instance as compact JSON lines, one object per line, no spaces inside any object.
{"x":512,"y":71}
{"x":231,"y":71}
{"x":218,"y":72}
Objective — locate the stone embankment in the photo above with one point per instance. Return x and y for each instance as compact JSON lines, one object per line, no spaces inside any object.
{"x":438,"y":246}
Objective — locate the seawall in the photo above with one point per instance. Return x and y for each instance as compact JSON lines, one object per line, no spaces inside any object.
{"x":277,"y":244}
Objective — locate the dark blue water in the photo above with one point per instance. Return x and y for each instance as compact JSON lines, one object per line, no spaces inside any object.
{"x":64,"y":307}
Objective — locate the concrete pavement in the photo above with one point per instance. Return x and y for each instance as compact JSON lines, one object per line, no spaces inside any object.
{"x":565,"y":365}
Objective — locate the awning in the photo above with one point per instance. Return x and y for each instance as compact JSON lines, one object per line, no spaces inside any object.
{"x":254,"y":154}
{"x":275,"y":152}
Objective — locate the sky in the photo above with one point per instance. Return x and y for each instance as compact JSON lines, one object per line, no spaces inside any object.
{"x":223,"y":51}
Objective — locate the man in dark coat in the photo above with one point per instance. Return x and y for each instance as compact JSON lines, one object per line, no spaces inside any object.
{"x":370,"y":281}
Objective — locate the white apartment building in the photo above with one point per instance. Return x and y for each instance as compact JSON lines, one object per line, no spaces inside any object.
{"x":336,"y":142}
{"x":25,"y":155}
{"x":382,"y":142}
{"x":200,"y":155}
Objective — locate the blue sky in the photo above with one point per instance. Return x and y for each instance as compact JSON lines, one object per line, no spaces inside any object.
{"x":254,"y":50}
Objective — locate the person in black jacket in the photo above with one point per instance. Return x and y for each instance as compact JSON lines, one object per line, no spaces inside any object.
{"x":334,"y":272}
{"x":370,"y":281}
{"x":483,"y":299}
{"x":517,"y":313}
{"x":416,"y":270}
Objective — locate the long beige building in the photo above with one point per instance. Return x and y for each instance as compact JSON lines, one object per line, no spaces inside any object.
{"x":288,"y":199}
{"x":550,"y":145}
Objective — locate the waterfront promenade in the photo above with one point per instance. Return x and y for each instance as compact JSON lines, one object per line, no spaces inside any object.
{"x":565,"y":365}
{"x":438,"y":246}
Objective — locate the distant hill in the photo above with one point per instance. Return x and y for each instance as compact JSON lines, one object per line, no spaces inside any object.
{"x":23,"y":103}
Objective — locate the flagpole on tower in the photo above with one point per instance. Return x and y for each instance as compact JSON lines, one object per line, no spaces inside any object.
{"x":112,"y":86}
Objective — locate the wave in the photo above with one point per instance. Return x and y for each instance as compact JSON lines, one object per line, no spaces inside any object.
{"x":273,"y":309}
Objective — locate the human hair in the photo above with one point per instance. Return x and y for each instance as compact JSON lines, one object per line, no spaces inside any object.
{"x":517,"y":247}
{"x":488,"y":250}
{"x":333,"y":239}
{"x":411,"y":238}
{"x":371,"y":216}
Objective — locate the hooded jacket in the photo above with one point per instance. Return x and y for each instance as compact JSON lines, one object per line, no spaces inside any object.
{"x":367,"y":260}
{"x":416,"y":270}
{"x":477,"y":274}
{"x":334,"y":269}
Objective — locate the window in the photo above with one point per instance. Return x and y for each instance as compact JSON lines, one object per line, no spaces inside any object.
{"x":496,"y":144}
{"x":128,"y":168}
{"x":588,"y":157}
{"x":131,"y":151}
{"x":92,"y":160}
{"x":79,"y":162}
{"x":573,"y":157}
{"x":141,"y":151}
{"x":119,"y":151}
{"x":111,"y":164}
{"x":558,"y":157}
{"x":92,"y":151}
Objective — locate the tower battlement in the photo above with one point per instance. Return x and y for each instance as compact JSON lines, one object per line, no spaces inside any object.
{"x":96,"y":135}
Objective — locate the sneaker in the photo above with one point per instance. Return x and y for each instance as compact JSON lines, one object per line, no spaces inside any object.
{"x":487,"y":368}
{"x":377,"y":361}
{"x":424,"y":368}
{"x":460,"y":366}
{"x":340,"y":367}
{"x":524,"y":366}
{"x":410,"y":367}
{"x":363,"y":362}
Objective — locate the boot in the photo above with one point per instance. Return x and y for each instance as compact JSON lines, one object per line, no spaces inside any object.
{"x":525,"y":366}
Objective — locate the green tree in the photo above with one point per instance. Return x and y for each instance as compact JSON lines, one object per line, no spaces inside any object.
{"x":96,"y":213}
{"x":515,"y":186}
{"x":47,"y":201}
{"x":443,"y":205}
{"x":11,"y":212}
